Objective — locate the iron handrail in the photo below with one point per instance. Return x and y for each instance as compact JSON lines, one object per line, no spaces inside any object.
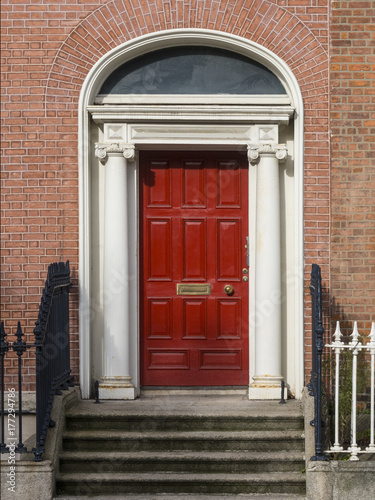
{"x":52,"y":351}
{"x":315,"y":384}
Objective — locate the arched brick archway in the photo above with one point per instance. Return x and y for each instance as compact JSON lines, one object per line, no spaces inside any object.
{"x":119,"y":21}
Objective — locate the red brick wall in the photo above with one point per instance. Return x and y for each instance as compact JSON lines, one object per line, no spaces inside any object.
{"x":49,"y":47}
{"x":353,"y":163}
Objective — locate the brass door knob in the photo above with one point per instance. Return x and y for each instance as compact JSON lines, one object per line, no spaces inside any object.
{"x":229,"y":290}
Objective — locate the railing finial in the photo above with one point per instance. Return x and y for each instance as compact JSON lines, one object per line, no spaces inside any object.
{"x":338,"y":335}
{"x":372,"y":333}
{"x":355,"y":336}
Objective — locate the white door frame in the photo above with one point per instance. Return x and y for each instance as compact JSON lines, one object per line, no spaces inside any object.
{"x":227,"y":125}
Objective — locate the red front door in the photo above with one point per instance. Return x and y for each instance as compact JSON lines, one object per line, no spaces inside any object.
{"x":194,"y":213}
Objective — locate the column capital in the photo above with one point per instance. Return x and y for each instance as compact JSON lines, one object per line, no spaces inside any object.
{"x":255,"y":150}
{"x":103,"y":149}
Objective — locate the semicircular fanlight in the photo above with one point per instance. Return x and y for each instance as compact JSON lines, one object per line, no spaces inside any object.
{"x":192,"y":70}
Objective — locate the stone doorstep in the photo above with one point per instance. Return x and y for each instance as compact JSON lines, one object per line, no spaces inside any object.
{"x":162,"y":423}
{"x":191,"y":392}
{"x":194,"y":405}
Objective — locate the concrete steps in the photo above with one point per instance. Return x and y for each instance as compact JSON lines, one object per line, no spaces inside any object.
{"x":181,"y":453}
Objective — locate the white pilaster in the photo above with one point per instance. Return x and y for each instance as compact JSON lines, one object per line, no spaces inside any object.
{"x":116,"y":382}
{"x":267,"y":379}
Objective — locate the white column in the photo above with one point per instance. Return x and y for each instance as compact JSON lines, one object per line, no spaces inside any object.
{"x":267,"y":380}
{"x":116,"y":382}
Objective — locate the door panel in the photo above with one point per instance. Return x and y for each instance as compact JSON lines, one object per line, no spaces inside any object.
{"x":194,"y":249}
{"x":160,"y":253}
{"x":159,"y":177}
{"x":229,"y":184}
{"x":160,"y":318}
{"x":194,"y":213}
{"x":229,"y":319}
{"x":229,"y":249}
{"x":193,"y":184}
{"x":195,"y":319}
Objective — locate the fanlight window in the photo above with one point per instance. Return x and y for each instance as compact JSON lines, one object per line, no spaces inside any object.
{"x":192,"y":70}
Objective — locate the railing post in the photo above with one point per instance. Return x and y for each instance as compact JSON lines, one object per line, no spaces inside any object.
{"x":19,"y":347}
{"x":4,"y":347}
{"x":38,"y":450}
{"x":355,"y":346}
{"x":316,"y":374}
{"x":282,"y":400}
{"x":318,"y":400}
{"x":371,"y":348}
{"x":338,"y":346}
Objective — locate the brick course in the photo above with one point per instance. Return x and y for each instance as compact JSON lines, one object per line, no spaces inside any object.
{"x":352,"y":167}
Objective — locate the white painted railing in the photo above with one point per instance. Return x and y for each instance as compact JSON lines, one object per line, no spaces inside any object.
{"x":355,"y":346}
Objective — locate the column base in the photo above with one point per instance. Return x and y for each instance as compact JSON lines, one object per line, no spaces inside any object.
{"x":266,"y":387}
{"x":117,"y":388}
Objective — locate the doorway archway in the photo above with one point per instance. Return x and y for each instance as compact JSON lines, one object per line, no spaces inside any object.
{"x":248,"y":123}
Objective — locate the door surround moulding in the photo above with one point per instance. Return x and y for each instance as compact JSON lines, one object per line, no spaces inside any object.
{"x":219,"y":120}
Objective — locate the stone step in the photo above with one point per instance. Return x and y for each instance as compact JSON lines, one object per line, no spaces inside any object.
{"x":168,"y":441}
{"x":174,"y":496}
{"x":220,"y":484}
{"x":192,"y":462}
{"x":179,"y":448}
{"x":164,"y":423}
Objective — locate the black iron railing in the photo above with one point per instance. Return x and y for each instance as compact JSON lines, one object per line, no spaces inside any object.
{"x":52,"y":351}
{"x":315,"y":384}
{"x":19,"y":347}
